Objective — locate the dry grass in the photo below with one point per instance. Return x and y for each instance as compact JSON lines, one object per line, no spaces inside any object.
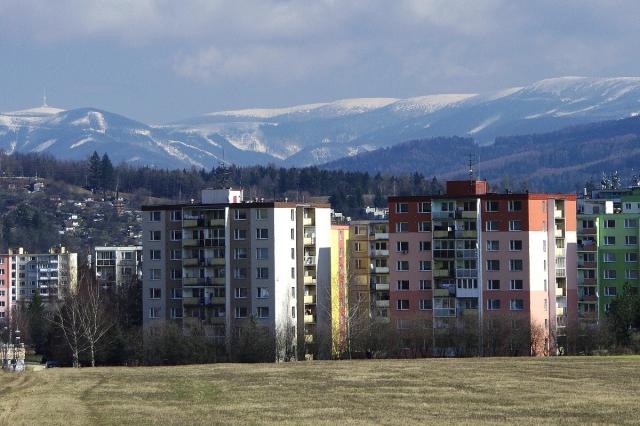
{"x":443,"y":391}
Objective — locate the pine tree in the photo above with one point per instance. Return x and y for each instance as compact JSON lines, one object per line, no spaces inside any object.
{"x":94,"y":178}
{"x":37,"y":324}
{"x":107,"y":174}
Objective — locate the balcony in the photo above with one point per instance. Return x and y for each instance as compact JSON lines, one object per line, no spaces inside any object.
{"x":440,"y":234}
{"x":379,"y":253}
{"x":442,"y":215}
{"x":192,"y":322}
{"x":561,"y":272}
{"x":308,"y":338}
{"x":469,"y":214}
{"x":216,"y":222}
{"x":216,"y":320}
{"x":309,"y":241}
{"x":218,"y":280}
{"x":560,"y":292}
{"x":444,"y":254}
{"x":466,"y":234}
{"x":470,"y":312}
{"x":190,"y":261}
{"x":466,"y":273}
{"x":309,"y":300}
{"x":561,"y":312}
{"x":215,"y":261}
{"x":309,"y":319}
{"x":217,"y":301}
{"x":379,"y":269}
{"x":381,"y":287}
{"x":444,"y":312}
{"x":309,"y":261}
{"x":197,"y":281}
{"x":440,"y":273}
{"x":382,"y":303}
{"x":191,"y":301}
{"x":441,"y":292}
{"x":307,"y":221}
{"x":190,"y":223}
{"x":588,"y":231}
{"x":467,"y":254}
{"x":559,"y":233}
{"x":308,"y":279}
{"x":381,"y":236}
{"x":560,"y":252}
{"x":558,"y":214}
{"x":192,"y":243}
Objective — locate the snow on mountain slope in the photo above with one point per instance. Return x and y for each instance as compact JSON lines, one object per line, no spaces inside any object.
{"x":318,"y":132}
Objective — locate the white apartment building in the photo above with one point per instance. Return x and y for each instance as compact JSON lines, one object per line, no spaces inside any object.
{"x":117,"y":266}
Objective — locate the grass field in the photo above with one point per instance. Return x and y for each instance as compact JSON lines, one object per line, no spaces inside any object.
{"x":443,"y":391}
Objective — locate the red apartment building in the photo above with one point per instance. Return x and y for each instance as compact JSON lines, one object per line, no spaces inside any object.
{"x":471,"y":256}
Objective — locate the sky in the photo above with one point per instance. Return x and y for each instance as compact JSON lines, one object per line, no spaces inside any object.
{"x":164,"y":60}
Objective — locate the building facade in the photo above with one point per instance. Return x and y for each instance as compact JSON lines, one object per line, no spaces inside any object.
{"x":214,"y":266}
{"x":474,"y":257}
{"x":608,"y":248}
{"x":50,"y":274}
{"x":117,"y":266}
{"x":5,"y":288}
{"x":339,"y":287}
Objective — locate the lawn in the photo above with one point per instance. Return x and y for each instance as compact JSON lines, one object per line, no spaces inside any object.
{"x":443,"y":391}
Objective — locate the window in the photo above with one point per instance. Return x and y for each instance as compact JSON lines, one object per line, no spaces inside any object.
{"x":262,"y":253}
{"x":425,"y":265}
{"x":515,"y":245}
{"x":631,"y":223}
{"x":610,"y":223}
{"x":402,"y":265}
{"x":610,"y":291}
{"x":293,"y":234}
{"x":176,"y":254}
{"x":493,"y":245}
{"x":493,"y":285}
{"x":262,"y":233}
{"x":176,"y":216}
{"x":403,"y":324}
{"x":154,"y":216}
{"x":357,"y":246}
{"x":240,"y":253}
{"x":588,"y":224}
{"x":515,"y":225}
{"x":515,"y":205}
{"x":261,"y":214}
{"x":425,"y":284}
{"x":424,"y":226}
{"x":239,"y":234}
{"x":492,"y":225}
{"x":516,"y":285}
{"x":176,"y":313}
{"x":402,"y":207}
{"x":493,"y":304}
{"x":609,"y":240}
{"x":176,"y":293}
{"x":493,"y":265}
{"x":631,"y":257}
{"x":516,"y":304}
{"x":492,"y":206}
{"x":402,"y":285}
{"x":424,"y":207}
{"x":424,"y":245}
{"x":155,"y":235}
{"x":155,"y":274}
{"x":239,"y":273}
{"x":154,"y":312}
{"x":610,"y":274}
{"x":241,"y":312}
{"x":402,"y":246}
{"x":425,"y":304}
{"x":402,"y":227}
{"x":176,"y":274}
{"x":402,"y":304}
{"x":240,"y":214}
{"x":262,"y":273}
{"x":154,"y":255}
{"x":630,"y":240}
{"x":176,"y":235}
{"x":262,"y":311}
{"x":608,"y":257}
{"x":293,"y":215}
{"x":293,"y":272}
{"x":241,"y":292}
{"x":448,"y":206}
{"x":515,"y":264}
{"x":631,"y":274}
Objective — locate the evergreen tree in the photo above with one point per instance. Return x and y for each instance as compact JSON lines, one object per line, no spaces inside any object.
{"x":107,"y":174}
{"x":94,"y":179}
{"x":37,"y":323}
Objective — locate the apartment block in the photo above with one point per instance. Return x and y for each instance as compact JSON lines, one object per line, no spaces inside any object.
{"x":5,"y":288}
{"x":211,"y":267}
{"x":608,"y":248}
{"x":369,"y":270}
{"x":117,"y":266}
{"x":472,"y":256}
{"x":49,"y":274}
{"x":339,"y":287}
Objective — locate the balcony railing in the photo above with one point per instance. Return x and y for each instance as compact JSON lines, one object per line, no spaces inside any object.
{"x":467,"y":254}
{"x":309,"y":319}
{"x":561,"y":272}
{"x":309,"y":300}
{"x":309,"y":260}
{"x":444,"y":312}
{"x":466,"y":273}
{"x":381,"y":235}
{"x":382,"y":303}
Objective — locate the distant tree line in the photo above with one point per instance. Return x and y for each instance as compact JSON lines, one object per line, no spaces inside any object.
{"x":347,"y":191}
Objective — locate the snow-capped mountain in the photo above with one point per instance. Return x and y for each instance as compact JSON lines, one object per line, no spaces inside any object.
{"x":320,"y":132}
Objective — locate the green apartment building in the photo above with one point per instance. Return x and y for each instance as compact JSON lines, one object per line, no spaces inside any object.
{"x":608,"y":235}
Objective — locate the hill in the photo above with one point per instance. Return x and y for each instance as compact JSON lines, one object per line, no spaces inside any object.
{"x":563,"y":160}
{"x":584,"y":390}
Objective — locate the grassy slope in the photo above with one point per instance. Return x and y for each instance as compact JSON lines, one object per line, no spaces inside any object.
{"x":522,"y":391}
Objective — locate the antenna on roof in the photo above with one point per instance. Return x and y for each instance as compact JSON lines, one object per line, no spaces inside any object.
{"x":44,"y":98}
{"x":471,"y":163}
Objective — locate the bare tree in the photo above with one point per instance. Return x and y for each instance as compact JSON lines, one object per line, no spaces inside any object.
{"x":67,"y":318}
{"x":95,"y":322}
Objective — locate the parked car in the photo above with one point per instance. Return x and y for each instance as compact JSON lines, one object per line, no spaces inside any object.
{"x":51,"y":364}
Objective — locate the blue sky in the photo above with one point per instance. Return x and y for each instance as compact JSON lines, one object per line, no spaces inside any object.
{"x":163,"y":60}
